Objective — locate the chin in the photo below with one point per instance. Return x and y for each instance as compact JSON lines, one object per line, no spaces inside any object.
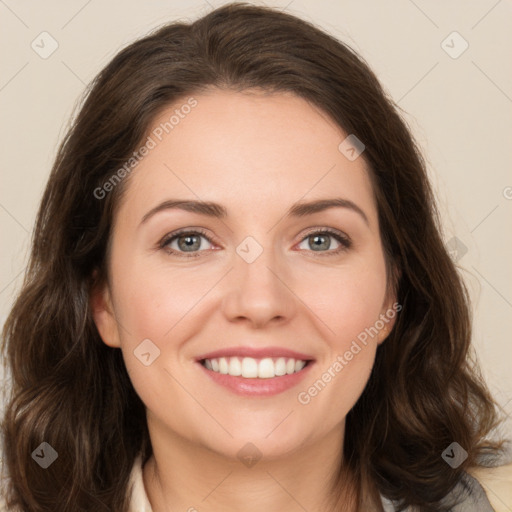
{"x":263,"y":440}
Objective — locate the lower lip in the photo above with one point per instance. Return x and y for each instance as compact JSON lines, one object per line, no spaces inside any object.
{"x":258,"y":387}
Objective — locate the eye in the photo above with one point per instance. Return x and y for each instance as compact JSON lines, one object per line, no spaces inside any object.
{"x":189,"y":243}
{"x":185,"y":241}
{"x":320,"y":241}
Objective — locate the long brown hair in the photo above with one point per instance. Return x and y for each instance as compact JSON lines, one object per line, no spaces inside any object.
{"x":72,"y":391}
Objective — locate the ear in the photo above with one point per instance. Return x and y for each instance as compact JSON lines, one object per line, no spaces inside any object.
{"x":388,"y":318}
{"x":390,"y":308}
{"x":103,"y":313}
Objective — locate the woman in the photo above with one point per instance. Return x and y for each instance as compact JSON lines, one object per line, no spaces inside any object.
{"x":238,"y":296}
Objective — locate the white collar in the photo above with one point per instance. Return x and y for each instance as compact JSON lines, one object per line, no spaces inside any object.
{"x":139,"y":501}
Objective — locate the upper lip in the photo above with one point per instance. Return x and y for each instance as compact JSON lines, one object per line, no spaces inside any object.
{"x":256,"y":353}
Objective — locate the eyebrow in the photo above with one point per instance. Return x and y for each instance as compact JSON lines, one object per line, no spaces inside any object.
{"x":211,"y":209}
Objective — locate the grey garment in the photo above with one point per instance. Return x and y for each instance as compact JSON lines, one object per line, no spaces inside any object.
{"x":468,"y":495}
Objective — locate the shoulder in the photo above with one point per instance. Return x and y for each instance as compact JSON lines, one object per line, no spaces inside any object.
{"x":481,"y":490}
{"x":497,"y":484}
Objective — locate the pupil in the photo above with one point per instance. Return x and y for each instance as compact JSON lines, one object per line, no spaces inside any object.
{"x":189,"y":242}
{"x":325,"y":245}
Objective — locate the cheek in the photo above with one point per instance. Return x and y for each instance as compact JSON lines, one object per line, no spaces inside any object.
{"x":154,"y":302}
{"x":160,"y":310}
{"x":347,"y":300}
{"x":348,"y":303}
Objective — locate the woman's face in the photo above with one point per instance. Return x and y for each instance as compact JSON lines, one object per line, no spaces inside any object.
{"x":252,"y":289}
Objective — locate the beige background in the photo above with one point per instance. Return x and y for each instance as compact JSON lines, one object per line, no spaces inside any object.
{"x":460,"y":110}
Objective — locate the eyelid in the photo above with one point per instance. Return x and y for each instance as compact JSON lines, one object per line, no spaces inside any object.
{"x":325,"y":229}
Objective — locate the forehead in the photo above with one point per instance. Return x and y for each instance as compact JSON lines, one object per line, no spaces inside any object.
{"x":247,"y":150}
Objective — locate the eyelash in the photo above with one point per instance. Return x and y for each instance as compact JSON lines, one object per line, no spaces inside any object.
{"x":345,"y":242}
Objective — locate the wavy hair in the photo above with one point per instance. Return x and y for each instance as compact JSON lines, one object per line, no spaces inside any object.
{"x":72,"y":391}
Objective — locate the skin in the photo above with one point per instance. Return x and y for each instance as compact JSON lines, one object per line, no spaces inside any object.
{"x":256,"y":154}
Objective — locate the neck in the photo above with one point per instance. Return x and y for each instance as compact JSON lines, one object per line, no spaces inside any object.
{"x":182,"y":475}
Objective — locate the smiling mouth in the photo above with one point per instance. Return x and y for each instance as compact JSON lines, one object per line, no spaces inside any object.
{"x":251,"y":368}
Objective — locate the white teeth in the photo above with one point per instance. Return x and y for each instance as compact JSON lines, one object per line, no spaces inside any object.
{"x":299,"y":365}
{"x":251,"y":368}
{"x":266,"y":369}
{"x":280,"y":366}
{"x":223,"y":365}
{"x":235,"y":367}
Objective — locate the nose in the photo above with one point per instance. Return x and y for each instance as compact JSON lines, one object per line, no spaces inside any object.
{"x":258,"y":293}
